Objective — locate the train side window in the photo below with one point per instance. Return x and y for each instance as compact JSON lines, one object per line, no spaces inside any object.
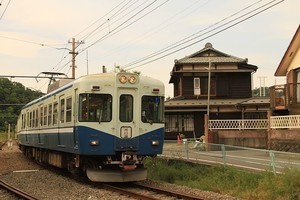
{"x":152,"y":109}
{"x":95,"y":107}
{"x":126,"y":108}
{"x":22,"y":125}
{"x":36,"y":117}
{"x":50,"y":114}
{"x":69,"y":110}
{"x":27,"y":119}
{"x":33,"y":119}
{"x":45,"y":116}
{"x":55,"y":113}
{"x":41,"y":116}
{"x":30,"y":119}
{"x":62,"y":111}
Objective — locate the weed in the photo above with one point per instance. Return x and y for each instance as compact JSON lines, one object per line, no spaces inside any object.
{"x":228,"y":180}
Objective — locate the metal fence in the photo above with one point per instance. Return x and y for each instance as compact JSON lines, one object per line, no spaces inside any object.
{"x":276,"y":122}
{"x":241,"y":157}
{"x":239,"y":124}
{"x":286,"y":121}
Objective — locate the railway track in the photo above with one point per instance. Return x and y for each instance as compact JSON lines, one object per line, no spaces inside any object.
{"x":16,"y":191}
{"x":2,"y":144}
{"x":146,"y":192}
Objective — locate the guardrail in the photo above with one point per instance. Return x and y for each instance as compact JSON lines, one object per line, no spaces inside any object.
{"x":241,"y":157}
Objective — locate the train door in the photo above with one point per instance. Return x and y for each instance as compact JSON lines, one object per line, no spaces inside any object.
{"x":75,"y":114}
{"x":127,"y":127}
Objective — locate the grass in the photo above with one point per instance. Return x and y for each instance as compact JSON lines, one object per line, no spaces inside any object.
{"x":227,"y":180}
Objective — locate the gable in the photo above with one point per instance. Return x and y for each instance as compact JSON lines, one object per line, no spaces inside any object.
{"x":291,"y":58}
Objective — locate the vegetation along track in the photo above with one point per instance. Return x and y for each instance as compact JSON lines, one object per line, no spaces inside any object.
{"x":16,"y":191}
{"x":145,"y":192}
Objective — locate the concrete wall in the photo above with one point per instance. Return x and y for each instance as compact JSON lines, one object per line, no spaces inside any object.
{"x":284,"y":140}
{"x":278,"y":140}
{"x":244,"y":138}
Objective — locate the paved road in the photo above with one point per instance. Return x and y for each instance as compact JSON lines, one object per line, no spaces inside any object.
{"x":252,"y":159}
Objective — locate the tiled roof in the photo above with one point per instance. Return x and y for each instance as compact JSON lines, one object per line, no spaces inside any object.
{"x":221,"y":57}
{"x":217,"y":102}
{"x":188,"y":60}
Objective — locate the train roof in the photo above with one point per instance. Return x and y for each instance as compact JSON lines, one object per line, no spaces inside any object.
{"x":145,"y":79}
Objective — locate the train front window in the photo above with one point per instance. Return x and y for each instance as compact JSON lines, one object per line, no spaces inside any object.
{"x":152,"y":109}
{"x":95,"y":107}
{"x":126,"y":108}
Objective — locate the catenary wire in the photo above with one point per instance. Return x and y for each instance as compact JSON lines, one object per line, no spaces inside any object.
{"x":5,"y":9}
{"x":99,"y":19}
{"x":110,"y":22}
{"x":215,"y":33}
{"x":109,"y":35}
{"x":182,"y":41}
{"x":118,"y":12}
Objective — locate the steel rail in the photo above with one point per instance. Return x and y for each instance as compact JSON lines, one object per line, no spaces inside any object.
{"x":176,"y":194}
{"x":17,"y":191}
{"x":127,"y":192}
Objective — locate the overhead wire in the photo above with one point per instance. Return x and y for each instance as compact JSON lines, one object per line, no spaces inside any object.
{"x":5,"y":9}
{"x":110,"y":22}
{"x":193,"y":43}
{"x":113,"y":33}
{"x":99,"y":19}
{"x":113,"y":15}
{"x":118,"y":12}
{"x":190,"y":36}
{"x":165,"y":24}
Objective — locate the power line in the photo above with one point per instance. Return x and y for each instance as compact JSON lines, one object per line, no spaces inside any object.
{"x":151,"y":31}
{"x":31,"y":42}
{"x":193,"y":43}
{"x":5,"y":9}
{"x":110,"y":20}
{"x":187,"y":39}
{"x":113,"y":33}
{"x":100,"y":19}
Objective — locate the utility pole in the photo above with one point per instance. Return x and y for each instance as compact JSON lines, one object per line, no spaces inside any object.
{"x":262,"y":85}
{"x":74,"y":54}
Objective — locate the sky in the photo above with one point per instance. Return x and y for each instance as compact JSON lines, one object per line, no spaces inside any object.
{"x":35,"y":35}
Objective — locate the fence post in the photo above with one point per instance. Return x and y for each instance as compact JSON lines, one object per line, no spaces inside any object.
{"x":272,"y":156}
{"x":223,"y":153}
{"x":186,"y":149}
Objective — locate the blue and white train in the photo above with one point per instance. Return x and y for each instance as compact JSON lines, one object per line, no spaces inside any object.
{"x":104,"y":124}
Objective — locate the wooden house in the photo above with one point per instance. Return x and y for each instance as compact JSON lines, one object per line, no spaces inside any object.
{"x":285,"y":99}
{"x":210,"y":82}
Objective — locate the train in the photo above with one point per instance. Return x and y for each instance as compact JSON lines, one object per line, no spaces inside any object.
{"x":104,"y":125}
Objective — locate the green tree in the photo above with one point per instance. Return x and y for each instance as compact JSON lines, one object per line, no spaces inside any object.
{"x":13,"y":96}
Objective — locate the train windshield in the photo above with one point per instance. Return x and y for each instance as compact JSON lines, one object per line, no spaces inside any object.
{"x":152,"y":109}
{"x":126,"y":108}
{"x":95,"y":107}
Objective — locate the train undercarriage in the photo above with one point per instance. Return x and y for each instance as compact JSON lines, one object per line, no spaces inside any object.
{"x":122,"y":167}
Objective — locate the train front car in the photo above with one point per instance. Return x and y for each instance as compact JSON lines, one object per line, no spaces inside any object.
{"x":120,"y":122}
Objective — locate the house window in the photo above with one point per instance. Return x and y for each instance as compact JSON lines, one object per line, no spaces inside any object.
{"x":179,"y":123}
{"x":201,"y":85}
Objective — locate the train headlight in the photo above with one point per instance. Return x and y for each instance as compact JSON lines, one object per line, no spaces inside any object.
{"x":94,"y":142}
{"x":132,"y":79}
{"x":155,"y":143}
{"x":123,"y":79}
